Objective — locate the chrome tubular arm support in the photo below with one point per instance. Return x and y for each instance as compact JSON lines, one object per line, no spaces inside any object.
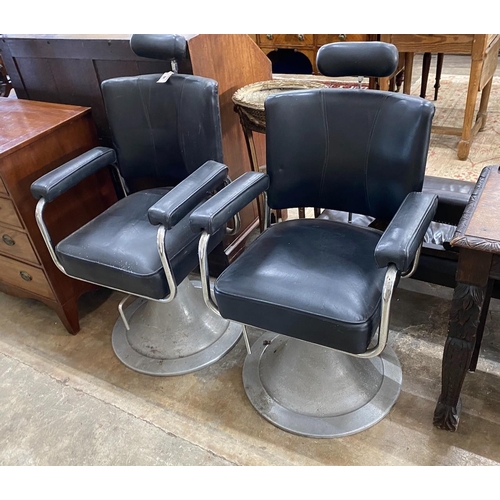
{"x":160,"y":243}
{"x":409,"y":274}
{"x":205,"y":273}
{"x":231,"y":231}
{"x":383,"y":332}
{"x":267,"y":211}
{"x":205,"y":283}
{"x":121,"y":179}
{"x":45,"y":234}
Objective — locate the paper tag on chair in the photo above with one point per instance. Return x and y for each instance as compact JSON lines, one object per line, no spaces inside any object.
{"x":164,"y":78}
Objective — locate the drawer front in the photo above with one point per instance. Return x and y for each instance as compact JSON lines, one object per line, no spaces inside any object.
{"x":24,"y":276}
{"x":16,"y":244}
{"x":324,"y":39}
{"x":3,"y":189}
{"x":8,"y":213}
{"x":286,"y":40}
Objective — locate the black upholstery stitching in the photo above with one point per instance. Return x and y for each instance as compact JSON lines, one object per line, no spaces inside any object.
{"x":327,"y":146}
{"x":368,"y":149}
{"x":146,"y":113}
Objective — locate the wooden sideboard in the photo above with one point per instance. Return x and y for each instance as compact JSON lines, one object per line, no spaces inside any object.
{"x":35,"y":138}
{"x":69,"y":69}
{"x":305,"y":44}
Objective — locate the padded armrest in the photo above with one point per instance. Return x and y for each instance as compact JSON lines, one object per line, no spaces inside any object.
{"x":405,"y":233}
{"x":213,"y":214}
{"x":189,"y":193}
{"x":59,"y":180}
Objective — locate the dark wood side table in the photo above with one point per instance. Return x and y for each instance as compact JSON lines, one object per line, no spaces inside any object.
{"x":37,"y":137}
{"x":478,"y":239}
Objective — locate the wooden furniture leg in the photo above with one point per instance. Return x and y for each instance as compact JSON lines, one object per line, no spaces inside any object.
{"x":439,"y":69}
{"x":472,"y":91}
{"x":426,"y":66}
{"x":392,"y":84}
{"x":480,"y":328}
{"x":254,"y":163}
{"x":469,"y":299}
{"x":383,"y":83}
{"x":482,"y":114}
{"x":408,"y":72}
{"x":68,"y":314}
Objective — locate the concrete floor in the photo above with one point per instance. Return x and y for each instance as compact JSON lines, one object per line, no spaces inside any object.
{"x":67,"y":400}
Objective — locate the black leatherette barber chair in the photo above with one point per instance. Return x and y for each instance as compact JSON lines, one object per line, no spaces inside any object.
{"x":143,"y":245}
{"x":322,"y":289}
{"x":438,"y":261}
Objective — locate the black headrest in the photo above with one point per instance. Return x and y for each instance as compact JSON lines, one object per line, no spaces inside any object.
{"x":375,"y":59}
{"x":165,"y":47}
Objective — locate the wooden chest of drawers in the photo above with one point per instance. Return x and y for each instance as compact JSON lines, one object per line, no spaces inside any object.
{"x":34,"y":139}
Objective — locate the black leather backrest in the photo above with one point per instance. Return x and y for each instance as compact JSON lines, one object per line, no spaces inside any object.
{"x":165,"y":47}
{"x":358,"y":151}
{"x":375,"y":59}
{"x":163,"y":130}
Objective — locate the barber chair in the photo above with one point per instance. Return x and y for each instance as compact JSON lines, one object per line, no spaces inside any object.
{"x":143,"y":246}
{"x":438,"y":261}
{"x":322,"y":289}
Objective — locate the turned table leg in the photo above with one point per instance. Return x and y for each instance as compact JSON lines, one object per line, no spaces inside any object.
{"x":469,"y":299}
{"x":439,"y":69}
{"x":472,"y":91}
{"x":482,"y":113}
{"x":426,"y":66}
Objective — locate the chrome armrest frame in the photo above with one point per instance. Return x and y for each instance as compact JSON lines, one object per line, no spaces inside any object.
{"x":205,"y":283}
{"x":409,"y":274}
{"x":383,"y":332}
{"x":160,"y":241}
{"x":205,"y":273}
{"x":231,"y":231}
{"x":267,"y":211}
{"x":121,"y":179}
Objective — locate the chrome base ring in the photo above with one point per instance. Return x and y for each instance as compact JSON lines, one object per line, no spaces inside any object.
{"x":174,"y":338}
{"x":314,"y":391}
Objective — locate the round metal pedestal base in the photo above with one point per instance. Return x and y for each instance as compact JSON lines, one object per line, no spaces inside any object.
{"x":173,"y":338}
{"x":314,"y":391}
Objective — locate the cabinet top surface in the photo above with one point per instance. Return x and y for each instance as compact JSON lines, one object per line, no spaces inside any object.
{"x":479,"y":227}
{"x":22,"y":121}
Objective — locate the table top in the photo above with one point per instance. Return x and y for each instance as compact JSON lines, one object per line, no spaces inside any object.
{"x":23,"y":121}
{"x":447,"y":44}
{"x":479,"y":227}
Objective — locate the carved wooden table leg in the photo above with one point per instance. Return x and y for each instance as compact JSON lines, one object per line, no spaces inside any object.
{"x":480,"y":328}
{"x":468,"y":301}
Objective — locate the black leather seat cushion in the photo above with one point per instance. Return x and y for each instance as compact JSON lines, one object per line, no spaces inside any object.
{"x":118,"y":248}
{"x":315,"y":280}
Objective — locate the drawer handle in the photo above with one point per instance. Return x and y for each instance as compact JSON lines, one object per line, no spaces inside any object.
{"x":342,"y":38}
{"x":301,"y":37}
{"x":25,"y":276}
{"x":8,"y":240}
{"x":269,"y":37}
